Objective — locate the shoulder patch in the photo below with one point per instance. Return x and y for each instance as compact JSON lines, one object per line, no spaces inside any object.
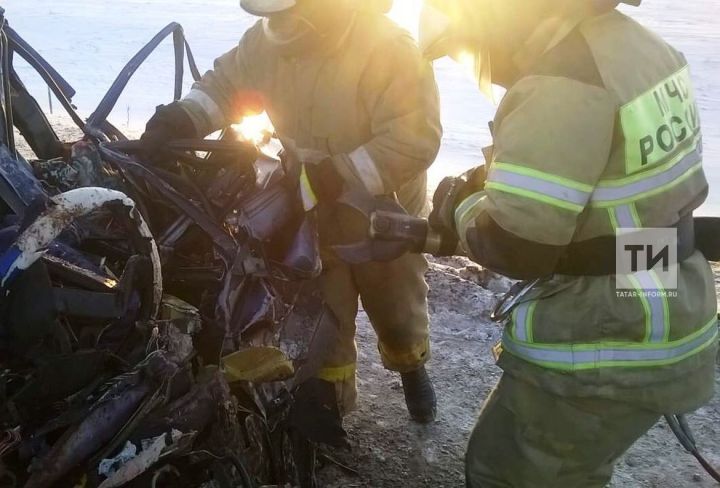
{"x":571,"y":58}
{"x":662,"y":124}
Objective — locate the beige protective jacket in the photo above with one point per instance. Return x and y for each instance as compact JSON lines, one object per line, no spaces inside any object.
{"x":370,"y":101}
{"x":603,"y":133}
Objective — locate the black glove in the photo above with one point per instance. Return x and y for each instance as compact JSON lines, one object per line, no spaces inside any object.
{"x":170,"y":122}
{"x":325,"y":180}
{"x":451,"y":191}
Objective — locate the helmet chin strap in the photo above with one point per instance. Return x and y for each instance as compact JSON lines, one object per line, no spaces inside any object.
{"x":484,"y":76}
{"x":302,"y":28}
{"x":309,"y":39}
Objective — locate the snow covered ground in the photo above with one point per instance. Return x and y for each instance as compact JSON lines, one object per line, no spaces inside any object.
{"x":89,"y":41}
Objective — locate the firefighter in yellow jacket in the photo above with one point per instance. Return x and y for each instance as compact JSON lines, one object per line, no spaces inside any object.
{"x":597,"y":135}
{"x":350,"y":94}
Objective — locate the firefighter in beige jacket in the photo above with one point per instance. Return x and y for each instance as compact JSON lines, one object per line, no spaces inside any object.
{"x":598,"y":136}
{"x":350,"y":94}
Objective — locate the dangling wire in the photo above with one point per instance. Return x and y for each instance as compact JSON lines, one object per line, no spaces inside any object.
{"x":680,"y":427}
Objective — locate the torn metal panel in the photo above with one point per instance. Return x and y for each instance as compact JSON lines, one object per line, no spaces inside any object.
{"x":18,"y":187}
{"x":68,"y":206}
{"x":78,"y":275}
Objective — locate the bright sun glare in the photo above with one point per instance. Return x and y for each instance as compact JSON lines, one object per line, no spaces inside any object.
{"x":406,"y":13}
{"x":255,"y":128}
{"x":467,"y":61}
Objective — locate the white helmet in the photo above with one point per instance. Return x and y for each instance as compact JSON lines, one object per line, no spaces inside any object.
{"x":263,"y":8}
{"x":286,"y":22}
{"x":281,"y":26}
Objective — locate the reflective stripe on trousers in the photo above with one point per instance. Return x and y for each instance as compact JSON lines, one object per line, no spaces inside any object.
{"x":307,"y":193}
{"x":655,"y":350}
{"x":335,"y":374}
{"x":577,"y":357}
{"x":652,"y":297}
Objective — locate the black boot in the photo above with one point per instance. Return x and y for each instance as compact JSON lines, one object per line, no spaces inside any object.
{"x":419,"y":395}
{"x":316,"y":415}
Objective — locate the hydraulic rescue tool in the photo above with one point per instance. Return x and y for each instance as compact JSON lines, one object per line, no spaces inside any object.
{"x":392,"y":232}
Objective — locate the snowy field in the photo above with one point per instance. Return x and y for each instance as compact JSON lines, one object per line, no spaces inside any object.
{"x":89,"y":41}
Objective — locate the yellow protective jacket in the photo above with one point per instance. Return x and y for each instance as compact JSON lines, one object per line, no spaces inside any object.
{"x":370,"y":101}
{"x":601,"y":133}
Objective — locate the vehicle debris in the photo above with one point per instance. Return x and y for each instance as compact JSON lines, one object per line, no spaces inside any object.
{"x":157,"y":323}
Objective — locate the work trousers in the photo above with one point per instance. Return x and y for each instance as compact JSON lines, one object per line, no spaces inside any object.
{"x":527,"y":437}
{"x":393,"y":294}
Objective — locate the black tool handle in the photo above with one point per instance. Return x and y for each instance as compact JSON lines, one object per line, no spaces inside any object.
{"x":393,"y":226}
{"x":416,"y":231}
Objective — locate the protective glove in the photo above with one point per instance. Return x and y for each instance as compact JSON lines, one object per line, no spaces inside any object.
{"x":320,"y":183}
{"x":170,"y":122}
{"x":450,"y":193}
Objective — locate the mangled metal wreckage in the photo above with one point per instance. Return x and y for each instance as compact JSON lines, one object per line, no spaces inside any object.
{"x":159,"y":327}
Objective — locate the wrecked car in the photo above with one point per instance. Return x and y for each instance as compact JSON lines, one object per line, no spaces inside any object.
{"x":159,"y":326}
